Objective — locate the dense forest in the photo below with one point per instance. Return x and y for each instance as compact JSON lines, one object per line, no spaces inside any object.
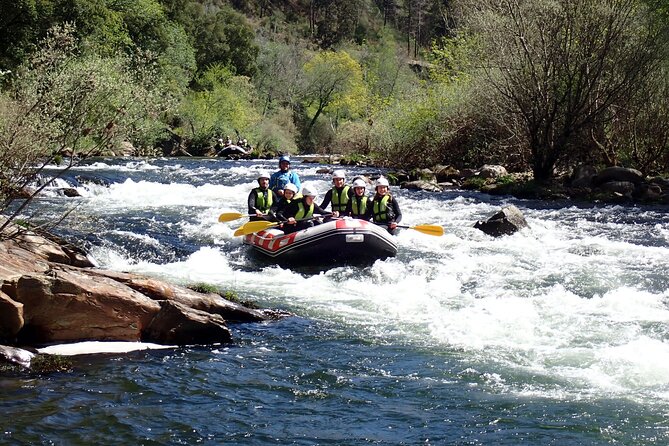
{"x":539,"y":85}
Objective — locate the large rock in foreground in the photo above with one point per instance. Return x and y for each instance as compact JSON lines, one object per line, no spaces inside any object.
{"x":51,"y":294}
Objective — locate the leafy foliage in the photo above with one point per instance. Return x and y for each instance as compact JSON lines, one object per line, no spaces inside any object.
{"x":224,"y":105}
{"x":64,"y":99}
{"x":333,"y":84}
{"x":558,"y":66}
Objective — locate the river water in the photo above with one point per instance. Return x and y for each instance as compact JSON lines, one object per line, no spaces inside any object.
{"x":556,"y":335}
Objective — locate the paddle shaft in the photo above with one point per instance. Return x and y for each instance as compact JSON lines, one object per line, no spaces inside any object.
{"x":435,"y":230}
{"x":257,"y":226}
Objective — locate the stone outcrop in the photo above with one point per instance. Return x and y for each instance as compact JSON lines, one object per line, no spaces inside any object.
{"x":611,"y":184}
{"x":505,"y":222}
{"x":429,"y":186}
{"x":618,"y":184}
{"x":176,"y":323}
{"x":50,"y":292}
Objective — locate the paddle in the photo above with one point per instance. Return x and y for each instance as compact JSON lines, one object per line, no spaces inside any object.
{"x":239,"y":231}
{"x":254,"y":226}
{"x":257,"y":226}
{"x":435,"y":230}
{"x":230,"y":216}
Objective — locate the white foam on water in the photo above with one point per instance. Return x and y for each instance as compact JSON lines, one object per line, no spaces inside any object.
{"x":97,"y":347}
{"x":571,"y":300}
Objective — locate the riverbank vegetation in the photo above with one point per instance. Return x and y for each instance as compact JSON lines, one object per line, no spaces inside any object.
{"x":540,"y":86}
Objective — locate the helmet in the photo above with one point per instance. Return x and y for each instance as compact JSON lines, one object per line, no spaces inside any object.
{"x":284,"y":158}
{"x":308,"y":192}
{"x":291,"y":187}
{"x":338,"y":174}
{"x":382,"y":182}
{"x":359,"y":182}
{"x":220,"y":139}
{"x":263,"y":174}
{"x":244,"y":141}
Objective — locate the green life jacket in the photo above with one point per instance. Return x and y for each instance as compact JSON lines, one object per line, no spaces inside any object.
{"x":380,"y":209}
{"x":362,"y":208}
{"x":340,"y":199}
{"x":303,"y":212}
{"x":263,"y":199}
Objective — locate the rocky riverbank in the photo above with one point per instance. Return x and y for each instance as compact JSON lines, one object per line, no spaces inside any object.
{"x":51,"y":292}
{"x":584,"y":183}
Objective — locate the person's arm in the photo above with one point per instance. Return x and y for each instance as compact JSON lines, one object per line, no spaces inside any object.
{"x":396,"y":211}
{"x":287,"y":211}
{"x":327,"y":199}
{"x":295,"y":179}
{"x":349,"y":208}
{"x":273,"y":181}
{"x":275,"y":203}
{"x":319,"y":210}
{"x":369,"y":211}
{"x":252,"y":202}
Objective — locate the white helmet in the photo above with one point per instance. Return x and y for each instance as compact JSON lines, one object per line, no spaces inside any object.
{"x":263,"y":174}
{"x":359,"y":182}
{"x":382,"y":182}
{"x":291,"y":187}
{"x":308,"y":192}
{"x":220,"y":139}
{"x":338,"y":174}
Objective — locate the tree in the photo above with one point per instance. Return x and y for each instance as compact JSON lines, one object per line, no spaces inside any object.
{"x":65,"y":99}
{"x":279,"y":74}
{"x":219,"y":35}
{"x":557,"y":66}
{"x":332,"y":79}
{"x":223,"y":104}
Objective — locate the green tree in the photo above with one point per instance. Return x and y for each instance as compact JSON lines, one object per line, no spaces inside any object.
{"x":556,"y":67}
{"x":333,"y":82}
{"x":279,"y":74}
{"x":65,"y":98}
{"x":220,"y":35}
{"x":223,"y":105}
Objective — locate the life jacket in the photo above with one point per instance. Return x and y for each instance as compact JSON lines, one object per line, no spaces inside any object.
{"x":359,"y":206}
{"x":340,"y":199}
{"x":380,"y":209}
{"x":303,"y":212}
{"x":263,"y":202}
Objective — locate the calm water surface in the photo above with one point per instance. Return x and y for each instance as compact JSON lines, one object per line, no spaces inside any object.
{"x":556,"y":335}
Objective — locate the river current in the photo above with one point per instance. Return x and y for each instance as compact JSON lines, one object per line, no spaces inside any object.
{"x":557,"y":335}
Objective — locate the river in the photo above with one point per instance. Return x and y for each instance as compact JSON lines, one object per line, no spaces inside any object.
{"x":556,"y":335}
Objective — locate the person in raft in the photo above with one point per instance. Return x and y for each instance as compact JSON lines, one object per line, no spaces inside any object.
{"x":283,"y":176}
{"x":299,"y":213}
{"x":385,"y":210}
{"x":359,"y":205}
{"x":340,"y":194}
{"x":262,"y":200}
{"x":289,"y":194}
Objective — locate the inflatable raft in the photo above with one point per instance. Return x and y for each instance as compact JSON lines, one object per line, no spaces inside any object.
{"x":342,"y":241}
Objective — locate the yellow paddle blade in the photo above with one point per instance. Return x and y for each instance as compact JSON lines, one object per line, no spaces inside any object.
{"x":255,"y":226}
{"x":229,"y":216}
{"x":429,"y":229}
{"x":239,"y":231}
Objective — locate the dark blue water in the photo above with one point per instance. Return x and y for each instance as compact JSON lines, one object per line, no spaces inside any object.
{"x":303,"y":382}
{"x":557,"y":336}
